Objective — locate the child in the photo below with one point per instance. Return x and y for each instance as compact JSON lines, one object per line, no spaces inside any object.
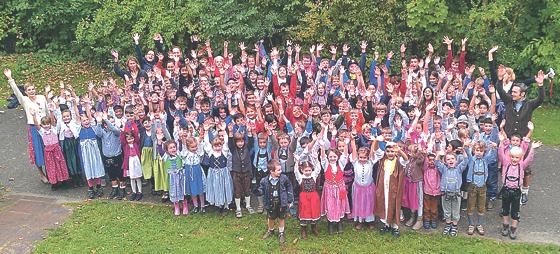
{"x":334,"y":201}
{"x":90,"y":155}
{"x":147,"y":151}
{"x":513,"y":169}
{"x":477,"y":175}
{"x":68,"y":130}
{"x":54,"y":160}
{"x":431,"y":185}
{"x":278,"y":193}
{"x":309,"y":208}
{"x":284,"y":151}
{"x":112,"y":153}
{"x":217,"y":157}
{"x":241,"y":169}
{"x":132,"y":167}
{"x":363,"y":189}
{"x":173,"y":165}
{"x":262,"y":154}
{"x":194,"y":175}
{"x":159,"y":135}
{"x":412,"y":192}
{"x":451,"y":180}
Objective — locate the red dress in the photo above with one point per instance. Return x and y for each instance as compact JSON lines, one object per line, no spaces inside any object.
{"x":309,"y":202}
{"x":334,"y":200}
{"x":55,"y":164}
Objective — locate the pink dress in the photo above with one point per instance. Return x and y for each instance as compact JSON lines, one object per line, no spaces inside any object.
{"x":334,"y":199}
{"x":55,"y":164}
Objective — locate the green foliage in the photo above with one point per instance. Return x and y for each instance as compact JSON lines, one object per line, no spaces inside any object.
{"x":120,"y":227}
{"x":426,"y":14}
{"x":527,"y":31}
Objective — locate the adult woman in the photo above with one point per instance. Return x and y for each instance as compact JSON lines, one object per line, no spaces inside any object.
{"x":37,"y":104}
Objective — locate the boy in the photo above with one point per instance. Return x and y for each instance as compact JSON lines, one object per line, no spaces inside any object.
{"x":278,"y":193}
{"x":479,"y":160}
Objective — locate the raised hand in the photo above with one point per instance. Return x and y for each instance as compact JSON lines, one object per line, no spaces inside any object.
{"x":8,"y":73}
{"x":436,"y":60}
{"x":464,"y":41}
{"x":403,"y":48}
{"x":194,"y":38}
{"x":430,"y":48}
{"x":539,"y":78}
{"x":312,"y":49}
{"x":345,"y":48}
{"x":332,"y":50}
{"x":447,"y":41}
{"x":530,"y":126}
{"x":363,"y":46}
{"x":493,"y":49}
{"x":481,"y":71}
{"x":297,"y":48}
{"x":242,"y":46}
{"x":390,"y":55}
{"x":115,"y":54}
{"x":537,"y":144}
{"x":136,"y":38}
{"x":320,"y":47}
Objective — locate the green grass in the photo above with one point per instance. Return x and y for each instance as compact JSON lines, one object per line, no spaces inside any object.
{"x":547,"y":128}
{"x":110,"y":227}
{"x":43,"y":69}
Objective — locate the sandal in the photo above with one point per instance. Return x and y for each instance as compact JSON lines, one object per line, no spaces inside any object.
{"x":480,"y":229}
{"x":470,"y":230}
{"x":238,"y":214}
{"x":453,"y":231}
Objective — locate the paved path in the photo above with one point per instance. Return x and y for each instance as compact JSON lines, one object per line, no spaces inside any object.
{"x":540,"y":221}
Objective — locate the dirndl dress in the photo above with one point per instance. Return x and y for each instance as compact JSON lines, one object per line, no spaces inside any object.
{"x":54,"y":160}
{"x":90,"y":156}
{"x":173,"y":167}
{"x":309,"y":206}
{"x":219,"y":190}
{"x":147,"y":159}
{"x":161,"y":178}
{"x":410,"y":194}
{"x":35,"y":147}
{"x":194,"y":175}
{"x":334,"y":199}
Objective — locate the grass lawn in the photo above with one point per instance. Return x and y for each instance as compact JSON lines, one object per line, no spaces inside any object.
{"x":44,"y":69}
{"x":110,"y":227}
{"x":547,"y":125}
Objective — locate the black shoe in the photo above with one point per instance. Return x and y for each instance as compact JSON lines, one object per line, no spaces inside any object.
{"x":395,"y":232}
{"x":512,"y":233}
{"x":132,"y":197}
{"x":121,"y":193}
{"x":524,"y":198}
{"x":164,"y":197}
{"x":385,"y":229}
{"x":154,"y":192}
{"x":54,"y":187}
{"x":114,"y":191}
{"x":195,"y":209}
{"x":99,"y":191}
{"x":91,"y":194}
{"x":340,"y":228}
{"x":203,"y":210}
{"x":139,"y":196}
{"x":331,"y":228}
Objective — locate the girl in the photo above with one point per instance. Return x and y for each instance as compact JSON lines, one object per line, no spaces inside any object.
{"x":132,"y":167}
{"x":363,"y":189}
{"x":334,"y":202}
{"x":54,"y":160}
{"x":220,"y":186}
{"x":513,"y":170}
{"x":159,"y":135}
{"x":413,"y":191}
{"x":194,"y":175}
{"x":90,"y":155}
{"x":309,"y":208}
{"x":147,"y":150}
{"x":38,"y":104}
{"x":173,"y":165}
{"x":68,"y":130}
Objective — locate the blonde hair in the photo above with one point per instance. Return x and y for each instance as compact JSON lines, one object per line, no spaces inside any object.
{"x":515,"y":151}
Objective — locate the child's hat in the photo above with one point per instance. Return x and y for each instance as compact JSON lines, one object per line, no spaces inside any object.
{"x":463,"y":119}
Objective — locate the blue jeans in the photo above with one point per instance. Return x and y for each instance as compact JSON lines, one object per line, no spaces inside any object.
{"x":492,"y":181}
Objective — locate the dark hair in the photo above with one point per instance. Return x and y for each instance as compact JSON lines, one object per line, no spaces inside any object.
{"x":168,"y":143}
{"x":117,"y":107}
{"x":272,"y":165}
{"x":483,"y":103}
{"x":521,"y":86}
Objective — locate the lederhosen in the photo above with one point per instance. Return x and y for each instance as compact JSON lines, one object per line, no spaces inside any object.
{"x":259,"y":174}
{"x":275,"y":211}
{"x":511,"y":196}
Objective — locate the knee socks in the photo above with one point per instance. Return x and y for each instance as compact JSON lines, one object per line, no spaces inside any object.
{"x":136,"y":185}
{"x":248,"y":201}
{"x":238,"y":204}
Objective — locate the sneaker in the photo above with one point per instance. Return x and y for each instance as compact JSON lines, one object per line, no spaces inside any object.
{"x":268,"y":234}
{"x":512,"y":233}
{"x":139,"y":196}
{"x":91,"y":194}
{"x":480,"y":230}
{"x":434,"y":224}
{"x":238,"y":214}
{"x":99,"y":192}
{"x":426,"y":225}
{"x":470,"y":230}
{"x":281,"y":238}
{"x":164,"y":197}
{"x":490,"y":204}
{"x":385,"y":229}
{"x":395,"y":232}
{"x":195,"y":209}
{"x":505,"y":229}
{"x":524,"y":199}
{"x":446,"y":229}
{"x":132,"y":197}
{"x":453,"y":230}
{"x":250,"y":210}
{"x":203,"y":210}
{"x":260,"y":209}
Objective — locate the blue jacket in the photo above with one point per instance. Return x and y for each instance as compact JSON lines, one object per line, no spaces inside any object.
{"x":286,"y":191}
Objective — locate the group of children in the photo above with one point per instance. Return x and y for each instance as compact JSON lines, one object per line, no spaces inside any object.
{"x":304,"y":136}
